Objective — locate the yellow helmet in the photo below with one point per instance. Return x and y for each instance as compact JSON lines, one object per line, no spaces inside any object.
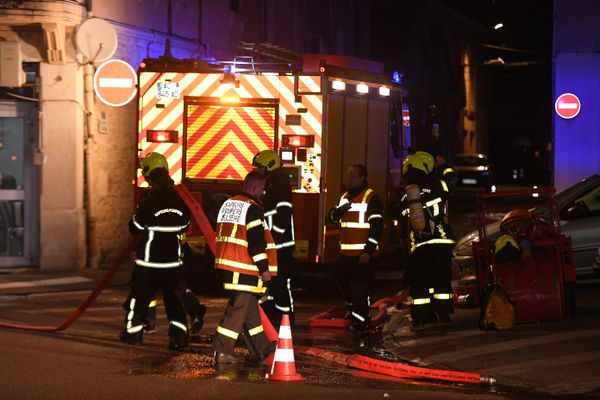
{"x":153,"y":161}
{"x":503,"y":241}
{"x":420,"y":160}
{"x":268,"y":159}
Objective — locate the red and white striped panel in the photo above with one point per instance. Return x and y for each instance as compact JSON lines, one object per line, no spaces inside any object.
{"x":160,"y":113}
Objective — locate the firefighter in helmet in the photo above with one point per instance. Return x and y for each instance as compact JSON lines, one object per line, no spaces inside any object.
{"x":161,"y":216}
{"x":360,"y":215}
{"x":430,"y":241}
{"x":446,"y":172}
{"x":277,"y":203}
{"x":247,"y":260}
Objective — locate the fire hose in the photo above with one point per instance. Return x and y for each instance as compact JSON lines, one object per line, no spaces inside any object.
{"x":395,"y":369}
{"x":334,"y":317}
{"x":123,"y":257}
{"x":201,"y":221}
{"x":354,"y":361}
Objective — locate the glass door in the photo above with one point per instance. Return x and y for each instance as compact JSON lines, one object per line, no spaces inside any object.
{"x":19,"y":198}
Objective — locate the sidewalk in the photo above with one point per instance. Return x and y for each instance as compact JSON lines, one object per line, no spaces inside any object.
{"x":28,"y":281}
{"x":560,"y":358}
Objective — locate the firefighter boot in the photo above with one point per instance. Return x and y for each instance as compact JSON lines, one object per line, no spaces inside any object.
{"x":443,"y":318}
{"x":224,"y":358}
{"x":150,"y":326}
{"x":177,"y":339}
{"x":131,"y":338}
{"x":198,"y":318}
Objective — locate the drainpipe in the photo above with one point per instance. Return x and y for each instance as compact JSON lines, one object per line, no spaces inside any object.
{"x":88,"y":88}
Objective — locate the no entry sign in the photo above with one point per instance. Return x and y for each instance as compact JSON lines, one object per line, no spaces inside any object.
{"x":115,"y":83}
{"x":567,"y":105}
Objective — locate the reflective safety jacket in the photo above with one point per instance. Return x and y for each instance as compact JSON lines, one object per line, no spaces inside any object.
{"x":434,"y":198}
{"x":245,"y":247}
{"x":361,"y":226}
{"x":162,"y":216}
{"x":279,"y":215}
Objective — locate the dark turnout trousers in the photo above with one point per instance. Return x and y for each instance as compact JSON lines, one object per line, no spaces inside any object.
{"x":354,"y":283}
{"x":429,"y":278}
{"x":280,"y":290}
{"x":145,"y":282}
{"x":241,"y":316}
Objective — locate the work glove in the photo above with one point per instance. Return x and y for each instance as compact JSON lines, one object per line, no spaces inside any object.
{"x":339,"y":212}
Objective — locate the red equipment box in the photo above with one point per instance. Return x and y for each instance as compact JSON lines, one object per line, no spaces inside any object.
{"x":539,"y":286}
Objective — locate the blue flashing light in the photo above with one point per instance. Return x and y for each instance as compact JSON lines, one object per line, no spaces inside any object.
{"x":397,"y":77}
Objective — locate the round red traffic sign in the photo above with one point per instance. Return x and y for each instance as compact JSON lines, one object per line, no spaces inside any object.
{"x":115,"y":82}
{"x":567,"y":105}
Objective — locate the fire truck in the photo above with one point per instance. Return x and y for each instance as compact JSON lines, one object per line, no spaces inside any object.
{"x":321,"y":114}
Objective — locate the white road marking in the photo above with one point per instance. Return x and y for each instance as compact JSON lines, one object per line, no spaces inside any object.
{"x":45,"y":282}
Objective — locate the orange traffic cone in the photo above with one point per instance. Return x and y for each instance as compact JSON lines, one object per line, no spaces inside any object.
{"x":284,"y":365}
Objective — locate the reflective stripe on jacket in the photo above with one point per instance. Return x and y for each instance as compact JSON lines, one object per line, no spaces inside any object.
{"x":354,"y":224}
{"x":162,"y":217}
{"x":232,"y":241}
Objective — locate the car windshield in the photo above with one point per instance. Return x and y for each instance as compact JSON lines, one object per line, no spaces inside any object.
{"x":562,"y":197}
{"x":471,"y":160}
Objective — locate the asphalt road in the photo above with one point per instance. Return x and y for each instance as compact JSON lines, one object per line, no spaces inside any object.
{"x":538,"y":361}
{"x":531,"y":361}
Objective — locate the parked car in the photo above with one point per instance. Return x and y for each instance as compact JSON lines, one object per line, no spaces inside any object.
{"x":474,"y":170}
{"x":579,"y":208}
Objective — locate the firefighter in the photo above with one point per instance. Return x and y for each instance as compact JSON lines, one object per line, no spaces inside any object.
{"x":360,"y":215}
{"x":447,"y":174}
{"x":247,"y":260}
{"x":430,"y":241}
{"x":277,"y":203}
{"x":162,"y":216}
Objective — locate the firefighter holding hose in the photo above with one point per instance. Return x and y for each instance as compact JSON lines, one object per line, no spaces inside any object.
{"x":279,"y":216}
{"x":430,"y":241}
{"x":162,"y":217}
{"x":360,"y":215}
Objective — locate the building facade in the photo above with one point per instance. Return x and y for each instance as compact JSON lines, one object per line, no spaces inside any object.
{"x":576,"y":66}
{"x":67,"y":163}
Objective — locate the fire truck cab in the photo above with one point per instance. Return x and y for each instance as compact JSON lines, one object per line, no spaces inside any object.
{"x":209,"y":119}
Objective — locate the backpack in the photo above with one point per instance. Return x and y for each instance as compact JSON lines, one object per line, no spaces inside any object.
{"x":497,"y":311}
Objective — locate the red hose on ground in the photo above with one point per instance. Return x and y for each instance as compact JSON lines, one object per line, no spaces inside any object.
{"x":202,"y":222}
{"x":334,"y":317}
{"x":123,"y":256}
{"x":395,"y":369}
